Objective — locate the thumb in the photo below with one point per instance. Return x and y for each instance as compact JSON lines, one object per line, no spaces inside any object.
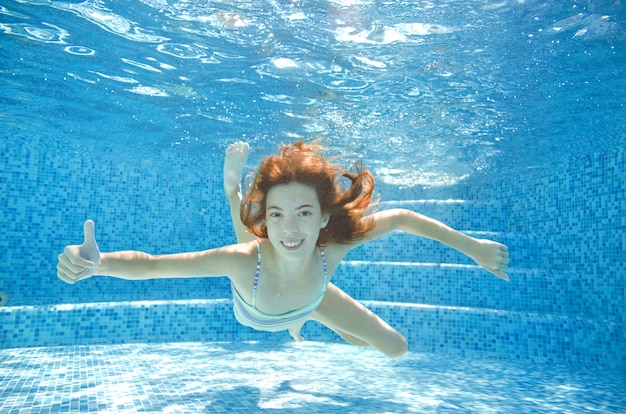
{"x":500,"y":274}
{"x":89,"y":249}
{"x":90,"y":234}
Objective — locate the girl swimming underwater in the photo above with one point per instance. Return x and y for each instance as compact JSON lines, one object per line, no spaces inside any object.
{"x":299,"y":219}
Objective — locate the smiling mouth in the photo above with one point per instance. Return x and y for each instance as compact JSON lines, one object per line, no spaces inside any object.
{"x":292,"y":245}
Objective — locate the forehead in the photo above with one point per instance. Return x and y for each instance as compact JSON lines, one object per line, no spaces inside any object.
{"x":292,"y":195}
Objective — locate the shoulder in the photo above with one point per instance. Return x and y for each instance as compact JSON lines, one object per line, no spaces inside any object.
{"x":235,"y":260}
{"x":384,"y":222}
{"x":376,"y":225}
{"x":335,"y":252}
{"x":233,"y":251}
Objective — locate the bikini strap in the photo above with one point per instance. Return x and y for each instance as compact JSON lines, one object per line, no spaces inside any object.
{"x":256,"y":274}
{"x":325,"y":267}
{"x":258,"y":271}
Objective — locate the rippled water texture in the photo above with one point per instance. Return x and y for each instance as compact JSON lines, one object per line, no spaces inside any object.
{"x":291,"y":378}
{"x":428,"y":93}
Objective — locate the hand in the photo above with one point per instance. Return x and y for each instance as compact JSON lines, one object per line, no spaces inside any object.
{"x":80,"y":262}
{"x":236,"y":157}
{"x":492,"y":256}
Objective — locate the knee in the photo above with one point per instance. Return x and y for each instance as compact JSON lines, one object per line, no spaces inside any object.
{"x":397,"y":349}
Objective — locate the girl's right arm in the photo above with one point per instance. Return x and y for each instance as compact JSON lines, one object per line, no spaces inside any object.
{"x":491,"y":255}
{"x":78,"y":262}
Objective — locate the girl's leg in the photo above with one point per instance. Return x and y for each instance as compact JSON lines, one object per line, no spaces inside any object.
{"x":357,"y":324}
{"x":349,"y":338}
{"x":294,"y":331}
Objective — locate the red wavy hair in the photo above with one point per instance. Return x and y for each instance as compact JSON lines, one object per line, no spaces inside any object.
{"x":303,"y":163}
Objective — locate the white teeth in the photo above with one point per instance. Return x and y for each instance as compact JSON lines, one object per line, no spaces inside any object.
{"x":292,"y":244}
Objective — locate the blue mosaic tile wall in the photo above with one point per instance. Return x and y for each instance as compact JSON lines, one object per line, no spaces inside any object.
{"x":565,"y":229}
{"x":580,"y":213}
{"x":576,"y":215}
{"x":46,"y":196}
{"x":526,"y":336}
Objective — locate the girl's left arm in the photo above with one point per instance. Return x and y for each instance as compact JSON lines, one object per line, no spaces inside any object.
{"x":492,"y":256}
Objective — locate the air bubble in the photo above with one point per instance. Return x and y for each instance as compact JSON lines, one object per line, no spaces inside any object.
{"x":80,"y":50}
{"x":181,"y":51}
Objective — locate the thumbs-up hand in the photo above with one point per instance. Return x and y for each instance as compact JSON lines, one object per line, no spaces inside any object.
{"x":79,"y":262}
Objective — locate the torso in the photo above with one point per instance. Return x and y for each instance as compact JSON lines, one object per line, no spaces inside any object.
{"x":278,"y":294}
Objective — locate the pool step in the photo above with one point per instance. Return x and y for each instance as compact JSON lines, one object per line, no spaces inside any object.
{"x":458,"y":214}
{"x":529,"y":290}
{"x":457,"y":330}
{"x":539,"y":337}
{"x":400,"y":267}
{"x":118,"y":322}
{"x":403,"y":247}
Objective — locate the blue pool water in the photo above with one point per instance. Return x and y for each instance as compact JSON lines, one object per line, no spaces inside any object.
{"x":504,"y":119}
{"x":464,"y":88}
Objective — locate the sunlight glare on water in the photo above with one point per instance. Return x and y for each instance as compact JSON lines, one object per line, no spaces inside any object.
{"x":428,"y":94}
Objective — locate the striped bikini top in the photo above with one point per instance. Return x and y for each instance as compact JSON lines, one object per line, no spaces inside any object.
{"x":248,"y":314}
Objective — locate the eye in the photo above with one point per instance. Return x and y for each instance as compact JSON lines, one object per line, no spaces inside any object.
{"x":275,"y":214}
{"x":306,"y":213}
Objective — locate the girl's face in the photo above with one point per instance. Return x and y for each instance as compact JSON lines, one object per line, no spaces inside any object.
{"x":293,"y":217}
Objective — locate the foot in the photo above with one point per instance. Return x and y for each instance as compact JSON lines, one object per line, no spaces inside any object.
{"x":236,"y":157}
{"x":295,"y":333}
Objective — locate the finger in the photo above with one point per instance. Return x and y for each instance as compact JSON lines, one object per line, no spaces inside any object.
{"x":89,"y":232}
{"x":68,"y":267}
{"x":499,"y":274}
{"x":235,"y":147}
{"x":241,"y":147}
{"x":72,"y":257}
{"x":70,"y":276}
{"x":64,"y":278}
{"x":64,"y":274}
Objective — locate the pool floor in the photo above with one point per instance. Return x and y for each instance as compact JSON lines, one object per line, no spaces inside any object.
{"x":290,"y":377}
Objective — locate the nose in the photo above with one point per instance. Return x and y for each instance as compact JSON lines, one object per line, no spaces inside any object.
{"x":290,"y":226}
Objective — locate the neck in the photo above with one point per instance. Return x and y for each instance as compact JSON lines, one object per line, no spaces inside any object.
{"x":285,"y":268}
